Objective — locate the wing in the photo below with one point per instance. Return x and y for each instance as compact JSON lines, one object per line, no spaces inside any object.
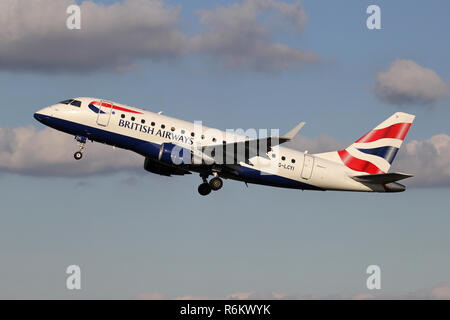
{"x":249,"y":148}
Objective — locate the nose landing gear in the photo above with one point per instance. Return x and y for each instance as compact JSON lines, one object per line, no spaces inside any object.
{"x":82,"y":141}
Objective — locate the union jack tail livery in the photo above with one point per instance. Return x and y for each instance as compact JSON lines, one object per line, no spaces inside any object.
{"x":374,"y":152}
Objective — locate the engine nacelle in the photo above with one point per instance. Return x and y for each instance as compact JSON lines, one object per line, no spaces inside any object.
{"x":174,"y":155}
{"x":154,"y":166}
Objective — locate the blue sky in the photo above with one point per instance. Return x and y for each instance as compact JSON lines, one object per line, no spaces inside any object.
{"x":133,"y":232}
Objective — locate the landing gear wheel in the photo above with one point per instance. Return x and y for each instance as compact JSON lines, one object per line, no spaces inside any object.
{"x":82,"y":141}
{"x":204,"y":189}
{"x":216,"y":183}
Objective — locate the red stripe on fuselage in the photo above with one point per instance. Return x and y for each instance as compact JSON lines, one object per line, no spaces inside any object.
{"x":396,"y":131}
{"x":114,"y":107}
{"x":358,"y":164}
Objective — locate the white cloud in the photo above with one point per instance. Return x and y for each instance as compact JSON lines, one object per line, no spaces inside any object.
{"x":406,"y":82}
{"x":323,"y":143}
{"x":34,"y":37}
{"x":442,"y":292}
{"x":47,"y":152}
{"x":236,"y":37}
{"x":439,"y":292}
{"x":428,"y":160}
{"x":151,"y":296}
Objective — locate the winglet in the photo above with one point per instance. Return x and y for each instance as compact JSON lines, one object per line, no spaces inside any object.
{"x":291,"y":134}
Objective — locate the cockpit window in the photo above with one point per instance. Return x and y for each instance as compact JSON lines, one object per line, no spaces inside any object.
{"x":76,"y":103}
{"x":66,"y":101}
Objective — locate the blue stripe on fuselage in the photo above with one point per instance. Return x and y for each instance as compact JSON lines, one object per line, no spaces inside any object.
{"x":95,"y":109}
{"x":150,"y":149}
{"x":259,"y":177}
{"x":386,"y":152}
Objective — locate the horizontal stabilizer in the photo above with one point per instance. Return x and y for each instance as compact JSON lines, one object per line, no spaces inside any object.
{"x":382,"y":178}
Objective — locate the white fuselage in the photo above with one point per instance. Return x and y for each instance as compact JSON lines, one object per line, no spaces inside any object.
{"x":138,"y":130}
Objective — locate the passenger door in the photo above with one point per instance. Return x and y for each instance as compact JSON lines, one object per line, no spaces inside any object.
{"x":308,"y":165}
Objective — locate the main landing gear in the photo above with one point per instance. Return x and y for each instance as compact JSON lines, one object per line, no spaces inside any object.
{"x":82,"y":141}
{"x":214,"y":184}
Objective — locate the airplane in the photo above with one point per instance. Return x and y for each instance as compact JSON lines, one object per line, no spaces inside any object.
{"x":175,"y":147}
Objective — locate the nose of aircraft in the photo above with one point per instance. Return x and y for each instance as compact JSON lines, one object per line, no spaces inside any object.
{"x":42,"y":115}
{"x":38,"y":116}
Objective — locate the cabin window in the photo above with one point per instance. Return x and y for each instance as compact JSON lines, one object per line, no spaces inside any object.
{"x":183,"y":132}
{"x":133,"y":118}
{"x":192,"y":134}
{"x":163,"y":126}
{"x":142,"y":121}
{"x":76,"y":103}
{"x":172,"y":129}
{"x":274,"y":155}
{"x":153,"y":124}
{"x":293,"y":160}
{"x":214,"y":139}
{"x":203,"y":136}
{"x":283,"y":158}
{"x":122,"y":116}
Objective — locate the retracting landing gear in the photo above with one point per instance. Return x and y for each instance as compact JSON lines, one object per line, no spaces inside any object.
{"x":214,"y":184}
{"x":82,"y":141}
{"x":204,"y":189}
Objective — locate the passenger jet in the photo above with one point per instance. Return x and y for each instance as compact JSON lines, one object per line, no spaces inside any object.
{"x":175,"y":147}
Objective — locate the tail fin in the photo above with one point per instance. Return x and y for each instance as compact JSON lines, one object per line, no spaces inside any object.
{"x":374,"y":152}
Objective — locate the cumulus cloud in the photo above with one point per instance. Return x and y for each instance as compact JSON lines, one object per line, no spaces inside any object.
{"x":439,"y":292}
{"x":34,"y":37}
{"x":47,"y":152}
{"x":428,"y":160}
{"x":152,"y":296}
{"x":323,"y":143}
{"x":236,"y":36}
{"x":406,"y":82}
